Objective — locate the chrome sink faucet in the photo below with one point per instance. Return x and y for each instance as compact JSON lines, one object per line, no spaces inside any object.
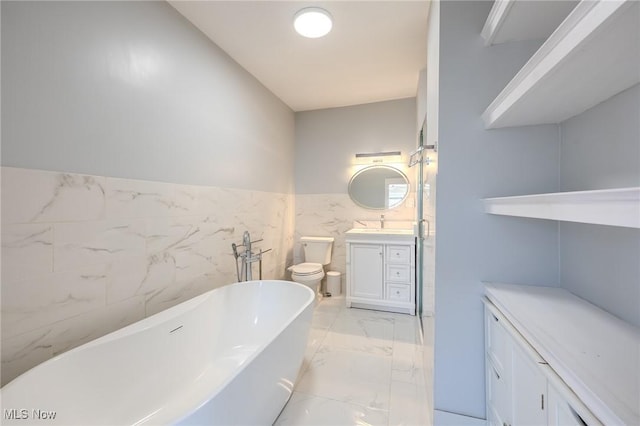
{"x":381,"y":221}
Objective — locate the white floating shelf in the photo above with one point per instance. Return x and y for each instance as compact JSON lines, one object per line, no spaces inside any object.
{"x":516,"y":20}
{"x":593,"y":55}
{"x":615,"y":207}
{"x":595,"y":353}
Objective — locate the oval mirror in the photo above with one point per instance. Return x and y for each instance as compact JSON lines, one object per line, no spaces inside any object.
{"x":379,"y":187}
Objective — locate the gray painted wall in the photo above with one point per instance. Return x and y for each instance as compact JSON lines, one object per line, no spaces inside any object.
{"x":327,"y":141}
{"x":131,"y":89}
{"x":475,"y":163}
{"x":601,"y":149}
{"x":602,"y":265}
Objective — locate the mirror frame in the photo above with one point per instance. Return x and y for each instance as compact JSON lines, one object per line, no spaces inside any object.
{"x":379,"y":166}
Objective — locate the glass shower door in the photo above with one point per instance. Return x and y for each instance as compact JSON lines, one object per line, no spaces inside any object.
{"x":416,"y":159}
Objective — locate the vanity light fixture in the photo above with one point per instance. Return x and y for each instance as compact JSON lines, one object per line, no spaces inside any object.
{"x":312,"y":22}
{"x":378,"y":157}
{"x":378,"y":154}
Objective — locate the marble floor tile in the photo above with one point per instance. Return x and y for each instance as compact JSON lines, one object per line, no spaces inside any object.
{"x":316,"y":337}
{"x":349,"y":377}
{"x":350,"y":342}
{"x":309,"y":410}
{"x":323,"y":320}
{"x":361,"y":331}
{"x":361,"y":367}
{"x":407,"y":332}
{"x":408,"y":405}
{"x":407,"y":366}
{"x":372,"y":326}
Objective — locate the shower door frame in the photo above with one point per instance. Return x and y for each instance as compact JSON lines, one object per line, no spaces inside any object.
{"x":420,"y":220}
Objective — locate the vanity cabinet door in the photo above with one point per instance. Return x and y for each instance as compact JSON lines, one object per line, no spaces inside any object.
{"x":528,"y":390}
{"x":367,"y":271}
{"x":565,"y":409}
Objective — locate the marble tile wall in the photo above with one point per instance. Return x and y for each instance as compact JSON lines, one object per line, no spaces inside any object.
{"x":331,"y":215}
{"x":85,"y":255}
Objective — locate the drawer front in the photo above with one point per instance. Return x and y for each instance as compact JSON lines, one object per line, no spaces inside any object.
{"x":400,"y":273}
{"x":399,"y":293}
{"x":497,"y":342}
{"x":497,"y":391}
{"x":399,"y":254}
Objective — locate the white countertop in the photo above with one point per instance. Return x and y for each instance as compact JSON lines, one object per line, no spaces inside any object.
{"x":371,"y":234}
{"x":596,"y":354}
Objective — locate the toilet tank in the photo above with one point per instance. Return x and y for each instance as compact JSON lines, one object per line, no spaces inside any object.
{"x":317,"y":249}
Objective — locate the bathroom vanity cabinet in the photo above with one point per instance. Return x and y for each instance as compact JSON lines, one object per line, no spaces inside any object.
{"x":381,"y":271}
{"x":552,"y":358}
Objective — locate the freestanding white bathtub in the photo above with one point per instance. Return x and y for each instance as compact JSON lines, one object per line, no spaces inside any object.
{"x":226,"y":357}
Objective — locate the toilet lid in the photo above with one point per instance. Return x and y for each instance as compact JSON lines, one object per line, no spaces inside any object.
{"x":306,"y":268}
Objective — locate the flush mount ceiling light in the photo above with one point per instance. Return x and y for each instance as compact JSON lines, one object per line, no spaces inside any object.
{"x":312,"y":22}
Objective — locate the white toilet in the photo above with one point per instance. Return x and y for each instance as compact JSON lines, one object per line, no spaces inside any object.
{"x":317,"y":253}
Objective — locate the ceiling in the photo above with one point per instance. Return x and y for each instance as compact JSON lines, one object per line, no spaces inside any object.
{"x":374,"y":52}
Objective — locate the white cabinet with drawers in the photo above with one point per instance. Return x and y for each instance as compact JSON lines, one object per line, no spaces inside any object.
{"x":381,"y":272}
{"x":521,"y":387}
{"x":554,"y":359}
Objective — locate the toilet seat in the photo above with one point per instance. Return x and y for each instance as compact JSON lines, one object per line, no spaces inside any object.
{"x":306,"y":269}
{"x":307,"y":273}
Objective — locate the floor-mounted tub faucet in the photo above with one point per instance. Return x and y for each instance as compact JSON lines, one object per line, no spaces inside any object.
{"x":246,"y":242}
{"x":247,"y":258}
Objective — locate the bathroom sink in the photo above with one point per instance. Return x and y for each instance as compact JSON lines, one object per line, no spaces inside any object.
{"x":381,"y":231}
{"x":387,"y":233}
